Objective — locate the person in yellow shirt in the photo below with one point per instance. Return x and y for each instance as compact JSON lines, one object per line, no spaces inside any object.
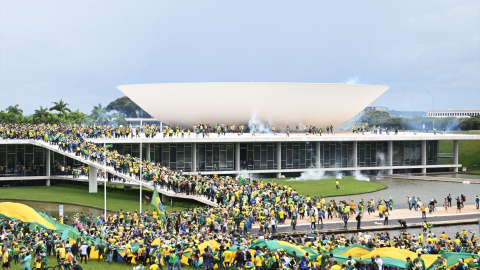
{"x":154,"y":267}
{"x":335,"y":266}
{"x":313,"y":220}
{"x":60,"y":251}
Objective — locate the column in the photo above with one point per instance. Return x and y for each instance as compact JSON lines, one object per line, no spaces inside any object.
{"x":355,"y":154}
{"x":147,"y":149}
{"x":279,"y":158}
{"x":317,"y":155}
{"x":424,"y":156}
{"x":237,"y":156}
{"x":194,"y":157}
{"x":92,"y":179}
{"x":47,"y":167}
{"x":390,"y":156}
{"x":455,"y":155}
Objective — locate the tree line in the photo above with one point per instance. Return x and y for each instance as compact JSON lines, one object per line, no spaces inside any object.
{"x":60,"y":113}
{"x":383,"y":118}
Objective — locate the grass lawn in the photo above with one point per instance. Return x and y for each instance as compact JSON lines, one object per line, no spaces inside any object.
{"x":117,"y":198}
{"x":327,"y":188}
{"x":468,"y":153}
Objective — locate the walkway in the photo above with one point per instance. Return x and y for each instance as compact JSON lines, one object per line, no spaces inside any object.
{"x":130,"y":180}
{"x":372,"y":222}
{"x":434,"y":178}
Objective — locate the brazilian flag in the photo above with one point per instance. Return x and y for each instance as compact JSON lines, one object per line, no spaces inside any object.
{"x":242,"y":180}
{"x":158,"y":204}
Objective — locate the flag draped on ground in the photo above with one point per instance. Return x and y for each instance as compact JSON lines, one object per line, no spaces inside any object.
{"x":158,"y":204}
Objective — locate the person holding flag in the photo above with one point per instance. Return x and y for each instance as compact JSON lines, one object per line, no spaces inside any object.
{"x":158,"y":204}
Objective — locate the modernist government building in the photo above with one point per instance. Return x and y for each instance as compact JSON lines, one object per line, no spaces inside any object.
{"x":275,"y":104}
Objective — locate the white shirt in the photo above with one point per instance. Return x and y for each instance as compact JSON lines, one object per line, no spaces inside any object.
{"x":83,"y":250}
{"x":379,"y":263}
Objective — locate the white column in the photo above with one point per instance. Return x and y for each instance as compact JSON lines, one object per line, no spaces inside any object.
{"x":455,"y":155}
{"x":423,"y":156}
{"x":279,"y":158}
{"x":390,"y":156}
{"x":92,"y":179}
{"x":194,"y":157}
{"x":147,"y":146}
{"x":355,"y":154}
{"x":317,"y":155}
{"x":237,"y":156}
{"x":47,"y":167}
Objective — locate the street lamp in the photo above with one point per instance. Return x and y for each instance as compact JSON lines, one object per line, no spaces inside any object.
{"x":433,"y":111}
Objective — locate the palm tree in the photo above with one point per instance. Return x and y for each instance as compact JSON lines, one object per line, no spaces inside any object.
{"x":118,"y":120}
{"x":41,"y":114}
{"x":14,"y":113}
{"x":99,"y":114}
{"x":61,"y":108}
{"x":77,"y":116}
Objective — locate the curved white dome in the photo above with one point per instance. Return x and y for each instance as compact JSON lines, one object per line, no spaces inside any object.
{"x":279,"y":104}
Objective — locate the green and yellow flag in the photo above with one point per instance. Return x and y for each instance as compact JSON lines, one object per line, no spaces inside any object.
{"x":158,"y":204}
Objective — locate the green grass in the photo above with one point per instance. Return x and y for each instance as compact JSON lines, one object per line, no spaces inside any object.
{"x":326,"y":187}
{"x":468,"y":153}
{"x":117,"y":198}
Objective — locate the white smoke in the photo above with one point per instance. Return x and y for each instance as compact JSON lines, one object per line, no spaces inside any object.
{"x":382,"y":160}
{"x":339,"y":176}
{"x":245,"y":174}
{"x":361,"y":177}
{"x":310,"y":175}
{"x":352,"y":80}
{"x":255,"y":124}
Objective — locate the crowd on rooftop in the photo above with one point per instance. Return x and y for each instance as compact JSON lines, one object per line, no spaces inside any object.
{"x":242,"y":203}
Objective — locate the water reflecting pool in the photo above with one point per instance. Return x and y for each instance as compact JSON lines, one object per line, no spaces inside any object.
{"x":399,"y":189}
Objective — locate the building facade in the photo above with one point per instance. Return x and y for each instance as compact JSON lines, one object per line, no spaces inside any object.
{"x":267,"y":154}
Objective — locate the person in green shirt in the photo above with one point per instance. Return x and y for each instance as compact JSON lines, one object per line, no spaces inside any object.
{"x":172,"y":260}
{"x":26,"y":258}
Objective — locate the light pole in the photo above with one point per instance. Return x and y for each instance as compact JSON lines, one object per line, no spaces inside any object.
{"x":433,"y":111}
{"x":105,"y":183}
{"x":141,"y":160}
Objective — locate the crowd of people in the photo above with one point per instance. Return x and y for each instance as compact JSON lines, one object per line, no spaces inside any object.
{"x":241,"y":204}
{"x":21,"y":245}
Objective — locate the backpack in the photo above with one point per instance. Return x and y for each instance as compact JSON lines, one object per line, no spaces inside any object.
{"x":373,"y":266}
{"x":239,"y":256}
{"x":144,"y":252}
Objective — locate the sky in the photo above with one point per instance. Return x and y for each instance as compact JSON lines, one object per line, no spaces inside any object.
{"x":79,"y":51}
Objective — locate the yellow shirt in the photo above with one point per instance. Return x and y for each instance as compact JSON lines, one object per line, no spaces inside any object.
{"x":258,"y":261}
{"x":61,"y":252}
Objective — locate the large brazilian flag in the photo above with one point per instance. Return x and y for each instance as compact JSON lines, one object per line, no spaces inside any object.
{"x":158,"y":204}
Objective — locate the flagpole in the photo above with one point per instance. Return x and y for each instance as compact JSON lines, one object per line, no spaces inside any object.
{"x":141,"y":159}
{"x":105,"y":183}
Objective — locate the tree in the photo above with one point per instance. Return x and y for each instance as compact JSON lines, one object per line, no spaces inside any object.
{"x":14,"y":114}
{"x":99,"y":114}
{"x":41,"y":115}
{"x":76,"y":117}
{"x":127,"y":108}
{"x":375,"y":117}
{"x":118,"y":120}
{"x":61,"y":108}
{"x":470,"y":123}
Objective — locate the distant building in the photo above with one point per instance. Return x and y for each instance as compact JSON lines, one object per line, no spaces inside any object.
{"x":141,"y":121}
{"x":376,"y":108}
{"x":406,"y":114}
{"x":453,"y":113}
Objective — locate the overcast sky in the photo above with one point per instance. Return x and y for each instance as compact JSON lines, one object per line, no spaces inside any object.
{"x":81,"y":50}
